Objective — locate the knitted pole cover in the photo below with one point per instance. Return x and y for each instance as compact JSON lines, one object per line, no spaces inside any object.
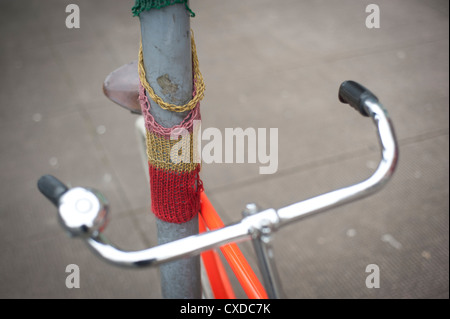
{"x":174,"y":170}
{"x":175,"y":184}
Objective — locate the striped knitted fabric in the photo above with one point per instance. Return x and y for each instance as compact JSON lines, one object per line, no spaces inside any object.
{"x":175,"y":184}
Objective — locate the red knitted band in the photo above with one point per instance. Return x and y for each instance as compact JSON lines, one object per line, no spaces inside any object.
{"x":175,"y":196}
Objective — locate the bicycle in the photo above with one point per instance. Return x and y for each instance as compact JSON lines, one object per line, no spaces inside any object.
{"x":83,"y":212}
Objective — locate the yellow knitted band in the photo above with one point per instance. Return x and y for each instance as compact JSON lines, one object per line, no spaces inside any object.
{"x":198,"y":83}
{"x":172,"y":155}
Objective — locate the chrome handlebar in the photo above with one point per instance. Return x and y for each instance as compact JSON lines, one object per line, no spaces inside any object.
{"x":85,"y":216}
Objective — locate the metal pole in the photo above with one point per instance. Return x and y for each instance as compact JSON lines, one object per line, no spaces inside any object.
{"x":166,"y":48}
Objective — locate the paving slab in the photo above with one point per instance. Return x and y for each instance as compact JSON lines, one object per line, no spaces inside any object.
{"x":265,"y":65}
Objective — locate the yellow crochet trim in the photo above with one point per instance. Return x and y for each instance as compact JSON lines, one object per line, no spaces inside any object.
{"x":198,"y":82}
{"x":159,"y":153}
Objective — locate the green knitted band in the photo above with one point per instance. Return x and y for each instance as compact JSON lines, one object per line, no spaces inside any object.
{"x":146,"y":5}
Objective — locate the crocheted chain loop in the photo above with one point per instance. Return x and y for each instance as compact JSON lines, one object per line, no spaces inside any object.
{"x":198,"y":81}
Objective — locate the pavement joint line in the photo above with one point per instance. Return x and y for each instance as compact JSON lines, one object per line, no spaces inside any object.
{"x":137,"y":212}
{"x":133,"y":214}
{"x":423,"y":137}
{"x":380,"y":49}
{"x":292,"y":170}
{"x":321,"y":162}
{"x":25,"y":240}
{"x":106,"y":163}
{"x":335,"y":57}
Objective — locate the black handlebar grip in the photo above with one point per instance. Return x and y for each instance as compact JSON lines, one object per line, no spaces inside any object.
{"x":52,"y":188}
{"x":356,"y":95}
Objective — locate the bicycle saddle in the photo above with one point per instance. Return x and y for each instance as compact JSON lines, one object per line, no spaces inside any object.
{"x":122,"y":87}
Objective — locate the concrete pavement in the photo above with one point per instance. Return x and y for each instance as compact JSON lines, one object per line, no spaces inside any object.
{"x":266,"y":64}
